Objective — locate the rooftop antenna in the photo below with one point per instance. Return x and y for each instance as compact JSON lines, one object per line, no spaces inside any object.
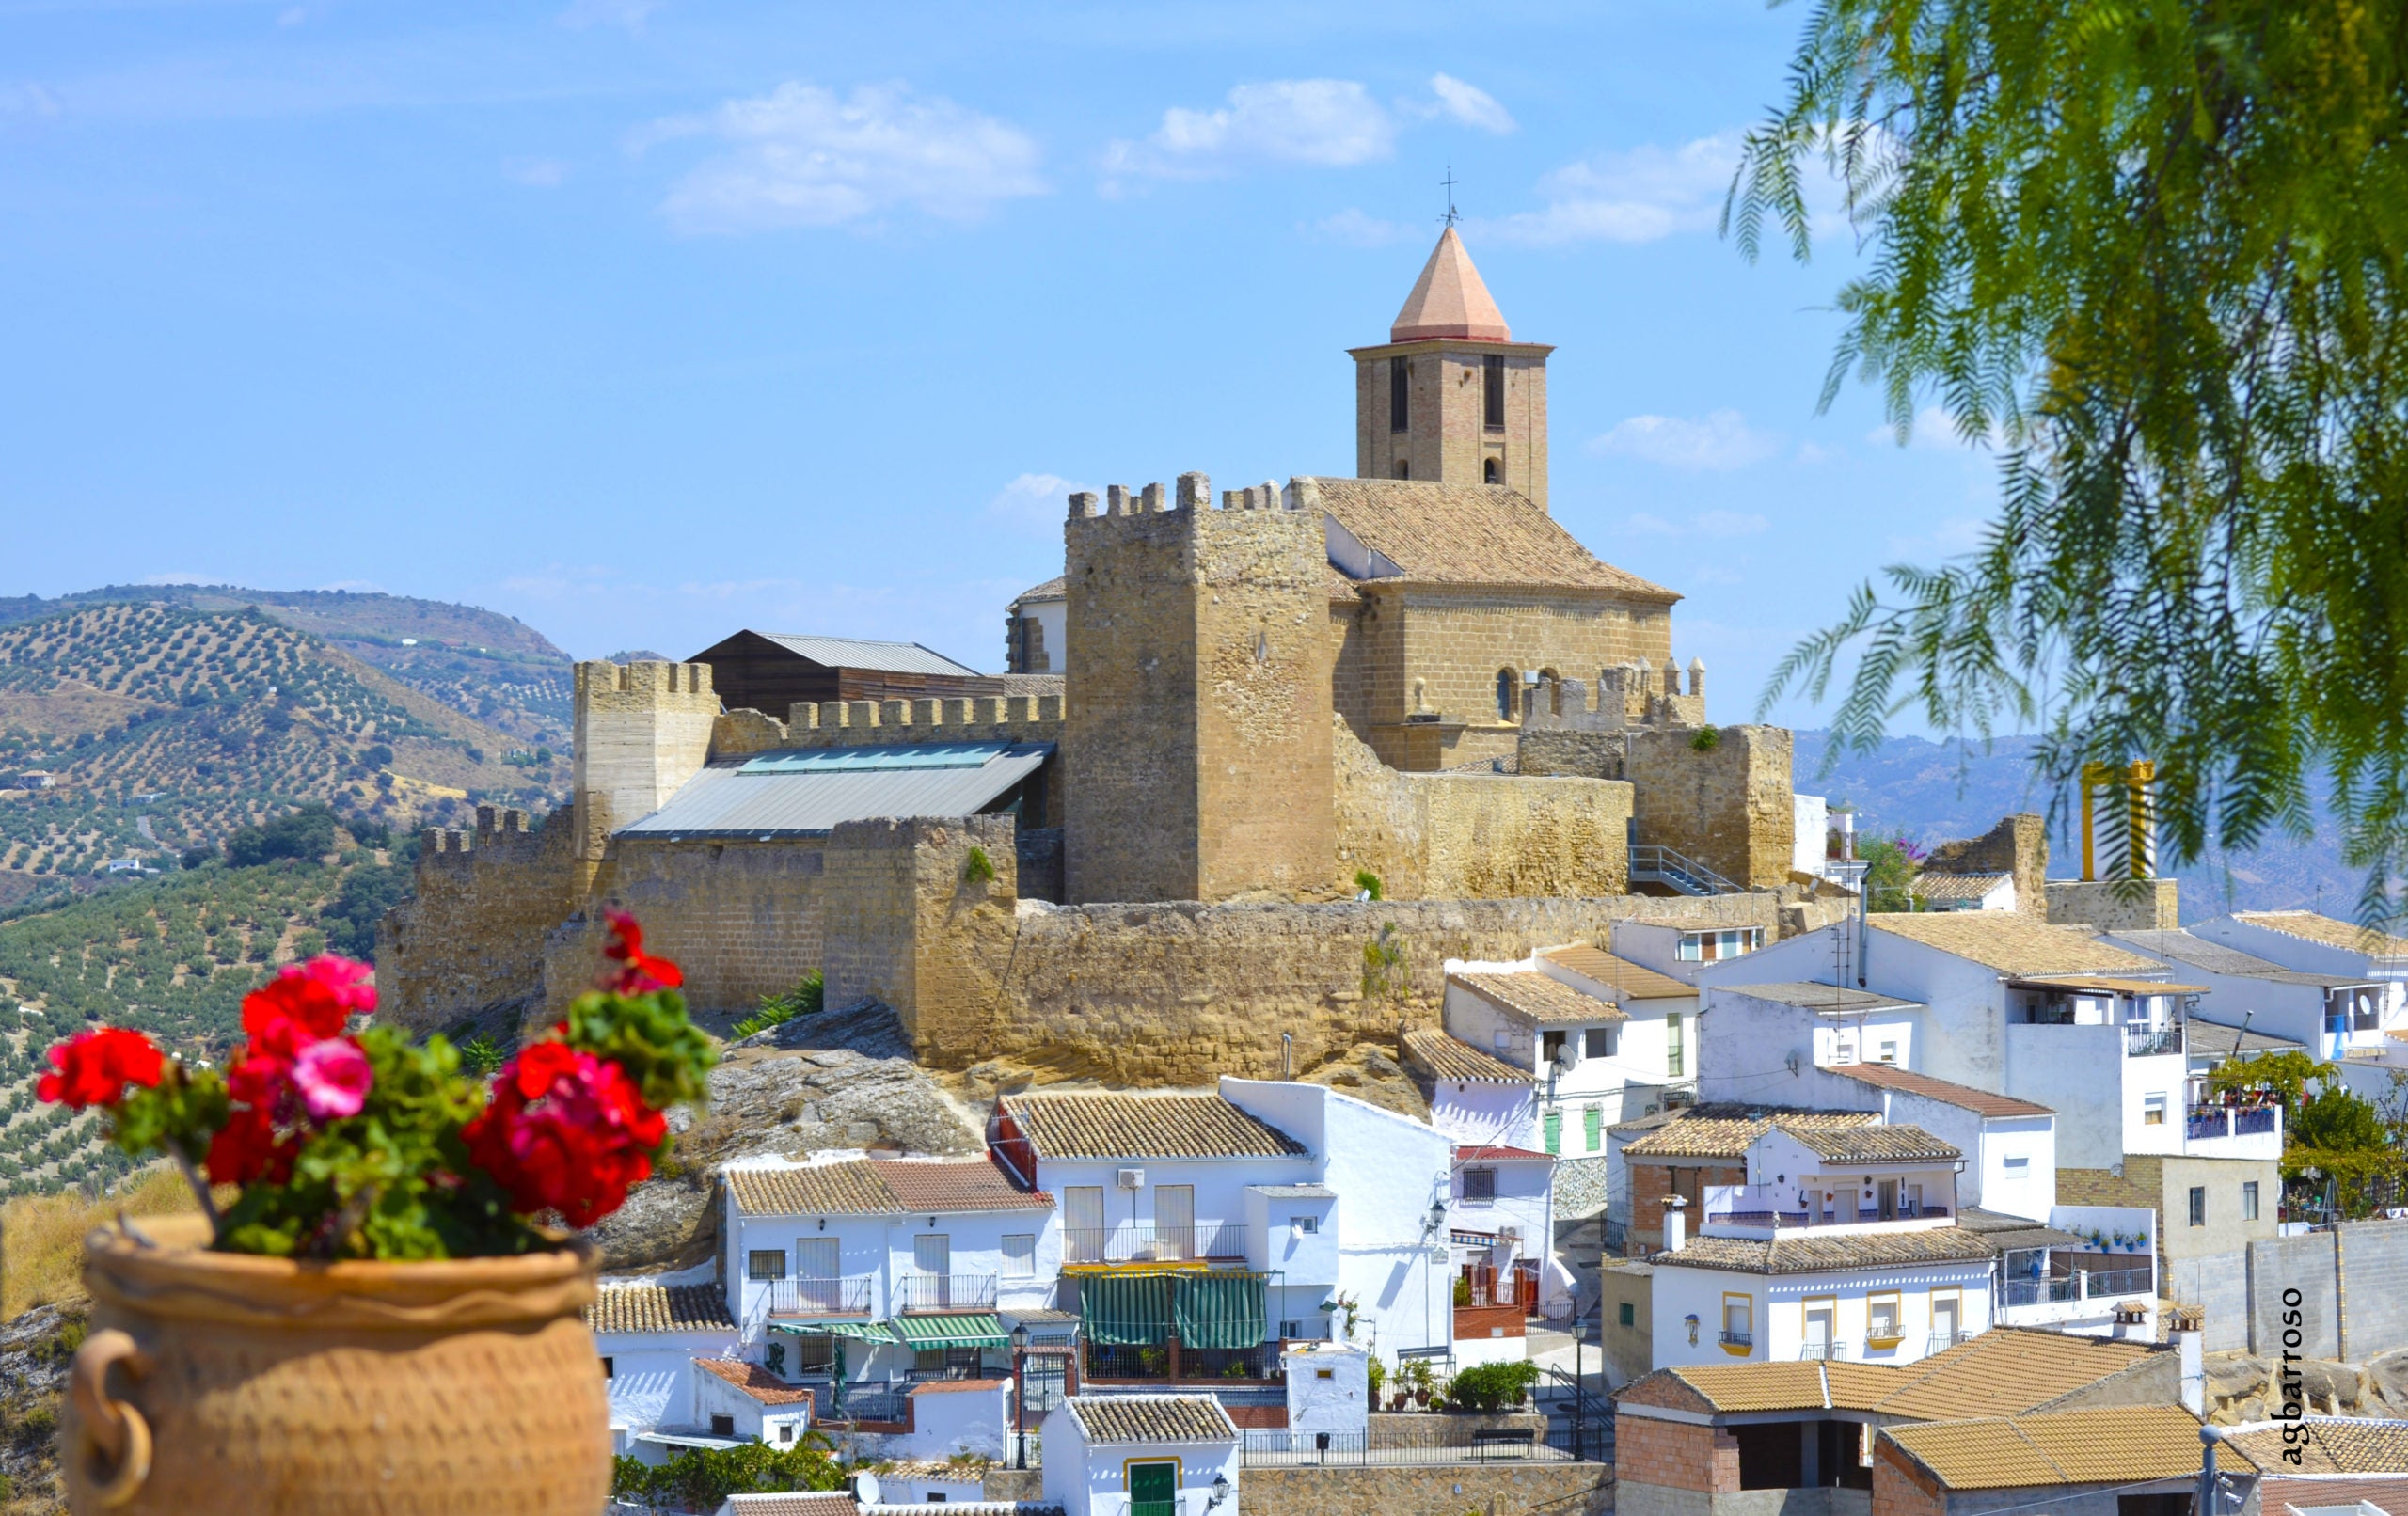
{"x":1447,"y":183}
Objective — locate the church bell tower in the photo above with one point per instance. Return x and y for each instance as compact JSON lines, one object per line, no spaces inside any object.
{"x":1450,"y":396}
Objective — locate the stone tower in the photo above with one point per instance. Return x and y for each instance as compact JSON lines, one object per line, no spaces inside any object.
{"x":1195,"y":746}
{"x":643,"y":730}
{"x":1450,"y":396}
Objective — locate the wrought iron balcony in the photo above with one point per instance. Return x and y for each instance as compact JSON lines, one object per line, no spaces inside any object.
{"x":1738,"y":1339}
{"x":822,"y":1297}
{"x":944,"y":1292}
{"x":2151,"y":1041}
{"x":1143,"y":1242}
{"x":1832,"y":1352}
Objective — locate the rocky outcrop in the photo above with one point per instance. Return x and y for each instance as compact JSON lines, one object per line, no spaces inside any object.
{"x":2241,"y":1388}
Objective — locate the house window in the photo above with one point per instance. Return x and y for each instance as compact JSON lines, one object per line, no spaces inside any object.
{"x":2198,"y":1204}
{"x":2248,"y":1201}
{"x":1551,"y":1047}
{"x":816,"y":1257}
{"x":766,"y":1263}
{"x":814,"y":1354}
{"x":1312,"y":1223}
{"x":1626,"y":1314}
{"x":1398,"y":370}
{"x":785,"y":1431}
{"x":1403,"y":468}
{"x":1488,"y":471}
{"x":1592,"y":1125}
{"x":1603,"y":1041}
{"x":774,"y":1358}
{"x":1739,"y":1321}
{"x":2019,"y":1167}
{"x":1713,"y":947}
{"x":1552,"y":1125}
{"x":1019,"y":1254}
{"x":609,"y":1369}
{"x":1492,"y":392}
{"x":723,"y":1426}
{"x":1888,"y":1053}
{"x":2153,"y":1111}
{"x":1506,"y":682}
{"x":1675,"y":1054}
{"x":1153,"y":1488}
{"x":1480,"y":1184}
{"x":1291,"y":1330}
{"x":1882,"y":1316}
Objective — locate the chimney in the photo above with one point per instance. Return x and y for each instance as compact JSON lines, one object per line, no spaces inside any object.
{"x":2193,"y":1372}
{"x":1676,"y":1230}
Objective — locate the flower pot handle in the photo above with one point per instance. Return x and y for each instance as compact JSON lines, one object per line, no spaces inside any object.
{"x":113,"y":1432}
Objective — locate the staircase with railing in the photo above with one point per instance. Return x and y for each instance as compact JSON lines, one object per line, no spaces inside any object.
{"x":1651,"y":863}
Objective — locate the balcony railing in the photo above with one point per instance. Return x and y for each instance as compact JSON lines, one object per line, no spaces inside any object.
{"x":2207,"y":1123}
{"x":1943,"y":1341}
{"x":944,"y":1292}
{"x":1143,"y":1242}
{"x":2086,"y":1285}
{"x":822,"y":1297}
{"x":1738,"y":1339}
{"x":1741,"y":1216}
{"x":1832,"y":1351}
{"x":1168,"y":1363}
{"x":2151,"y":1041}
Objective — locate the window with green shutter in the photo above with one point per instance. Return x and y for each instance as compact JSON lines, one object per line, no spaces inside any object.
{"x":1592,"y":1125}
{"x":1154,"y":1490}
{"x":1555,"y":1132}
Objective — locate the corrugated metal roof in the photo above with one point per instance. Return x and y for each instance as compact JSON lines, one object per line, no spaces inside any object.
{"x":860,"y":653}
{"x":724,"y":800}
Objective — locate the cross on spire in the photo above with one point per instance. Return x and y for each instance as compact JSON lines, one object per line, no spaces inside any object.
{"x":1448,"y":184}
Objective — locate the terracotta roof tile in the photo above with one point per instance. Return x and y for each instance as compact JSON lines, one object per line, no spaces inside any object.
{"x":2007,"y":1370}
{"x":1493,"y":1153}
{"x":953,"y":1184}
{"x":1543,"y":1000}
{"x":2386,"y":1493}
{"x":658,"y":1308}
{"x":2010,"y":941}
{"x":2336,"y":1445}
{"x":1057,"y":587}
{"x":755,"y":1380}
{"x":1449,"y":1057}
{"x":2313,"y":928}
{"x":2106,"y":1445}
{"x":1622,"y":979}
{"x":1889,"y":1143}
{"x":1809,"y":1254}
{"x":1723,"y":1130}
{"x":2218,"y":958}
{"x":793,"y":1502}
{"x":1151,"y":1418}
{"x":880,"y":1187}
{"x":1981,"y":1102}
{"x":1809,"y":1386}
{"x":1957,"y":886}
{"x":1103,"y":1126}
{"x":1450,"y":299}
{"x":1469,"y":534}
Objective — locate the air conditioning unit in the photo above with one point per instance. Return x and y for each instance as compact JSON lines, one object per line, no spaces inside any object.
{"x":1133,"y":1180}
{"x":1509,"y":1236}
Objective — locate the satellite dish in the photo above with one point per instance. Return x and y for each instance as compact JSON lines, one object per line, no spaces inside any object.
{"x":865,"y":1488}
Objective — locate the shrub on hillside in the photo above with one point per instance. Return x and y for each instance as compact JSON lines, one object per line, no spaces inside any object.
{"x":306,"y":834}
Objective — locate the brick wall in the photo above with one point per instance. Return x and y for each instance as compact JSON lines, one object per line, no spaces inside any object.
{"x":1429,"y":1490}
{"x":472,"y":937}
{"x":1650,"y":1183}
{"x":2374,"y":1289}
{"x":1899,"y":1488}
{"x":1446,"y":436}
{"x":2100,"y":903}
{"x":2353,"y":1306}
{"x":1679,"y":1455}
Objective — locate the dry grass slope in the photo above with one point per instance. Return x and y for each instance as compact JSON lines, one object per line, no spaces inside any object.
{"x":41,"y":1237}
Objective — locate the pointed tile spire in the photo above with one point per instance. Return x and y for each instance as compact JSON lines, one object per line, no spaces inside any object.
{"x":1448,"y":300}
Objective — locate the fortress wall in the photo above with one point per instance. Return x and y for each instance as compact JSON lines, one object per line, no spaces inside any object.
{"x":473,"y":936}
{"x":1729,"y":807}
{"x":743,"y":919}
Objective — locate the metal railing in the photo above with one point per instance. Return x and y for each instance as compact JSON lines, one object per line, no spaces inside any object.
{"x":1448,"y":1440}
{"x":1943,"y":1341}
{"x":2252,"y":1122}
{"x":2151,"y":1041}
{"x":2085,"y":1284}
{"x":944,"y":1292}
{"x":2208,"y":1122}
{"x":2042,"y":1291}
{"x":1143,"y":1242}
{"x":1112,"y":1361}
{"x":1738,"y":1339}
{"x":1832,"y":1351}
{"x":822,"y":1297}
{"x":2102,"y":1281}
{"x":1651,"y":863}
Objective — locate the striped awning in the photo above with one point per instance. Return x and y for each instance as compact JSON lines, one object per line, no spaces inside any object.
{"x":859,"y":1331}
{"x":951,"y":1329}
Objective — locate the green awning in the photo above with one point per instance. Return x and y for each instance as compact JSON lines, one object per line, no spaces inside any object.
{"x":1125,"y":1310}
{"x":951,"y":1329}
{"x":1219,"y":1310}
{"x":859,"y":1331}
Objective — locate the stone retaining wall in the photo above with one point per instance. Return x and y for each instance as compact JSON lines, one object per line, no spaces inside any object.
{"x":1429,"y":1490}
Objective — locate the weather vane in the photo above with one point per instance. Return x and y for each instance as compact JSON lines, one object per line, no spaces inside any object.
{"x":1449,"y":183}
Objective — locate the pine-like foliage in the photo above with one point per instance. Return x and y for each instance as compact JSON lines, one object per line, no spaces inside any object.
{"x":2154,"y":251}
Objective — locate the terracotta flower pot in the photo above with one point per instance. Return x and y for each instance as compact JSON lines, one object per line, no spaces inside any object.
{"x":216,"y":1383}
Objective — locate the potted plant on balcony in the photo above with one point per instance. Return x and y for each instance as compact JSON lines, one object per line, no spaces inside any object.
{"x":381,"y":1309}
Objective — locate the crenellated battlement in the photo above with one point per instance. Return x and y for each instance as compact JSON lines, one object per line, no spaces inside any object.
{"x":690,"y":680}
{"x":864,"y":723}
{"x":1632,"y":695}
{"x":1193,"y":495}
{"x":502,"y":835}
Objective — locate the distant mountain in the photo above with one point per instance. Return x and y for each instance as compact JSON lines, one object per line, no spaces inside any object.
{"x":1930,"y":792}
{"x":490,"y":667}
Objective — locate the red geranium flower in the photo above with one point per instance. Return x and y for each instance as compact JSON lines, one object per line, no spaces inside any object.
{"x":639,"y":972}
{"x":94,"y":1067}
{"x":247,"y":1148}
{"x":565,"y":1131}
{"x":291,"y":1011}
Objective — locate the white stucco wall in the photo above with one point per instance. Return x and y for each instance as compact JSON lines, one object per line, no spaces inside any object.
{"x":959,"y":1417}
{"x":651,"y":1374}
{"x":1094,"y":1480}
{"x":1479,"y":1114}
{"x":1329,"y":1388}
{"x":1780,"y":1303}
{"x":1811,"y":825}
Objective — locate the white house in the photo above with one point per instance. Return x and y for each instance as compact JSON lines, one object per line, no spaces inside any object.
{"x":2057,"y":1015}
{"x":1839,"y":1242}
{"x":863,"y":1276}
{"x":650,"y":1336}
{"x":1681,"y":951}
{"x":2354,"y":983}
{"x":1837,"y":1047}
{"x":744,"y":1402}
{"x":1140,"y":1455}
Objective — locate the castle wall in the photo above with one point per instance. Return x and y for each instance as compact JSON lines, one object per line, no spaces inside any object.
{"x":744,"y":919}
{"x":2018,"y":846}
{"x":473,"y":936}
{"x":1195,"y":755}
{"x":1729,"y":807}
{"x":1446,"y":436}
{"x":642,"y":730}
{"x":1447,"y":836}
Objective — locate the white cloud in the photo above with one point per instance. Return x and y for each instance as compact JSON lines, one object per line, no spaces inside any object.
{"x":1720,"y":442}
{"x":1471,"y":105}
{"x":1639,"y":196}
{"x":1034,"y":503}
{"x":1815,"y":452}
{"x":1355,"y":230}
{"x":630,"y":14}
{"x":1323,"y":123}
{"x":538,"y":173}
{"x":799,"y":157}
{"x":1934,"y":430}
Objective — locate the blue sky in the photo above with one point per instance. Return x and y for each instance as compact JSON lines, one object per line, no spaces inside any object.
{"x":643,"y":322}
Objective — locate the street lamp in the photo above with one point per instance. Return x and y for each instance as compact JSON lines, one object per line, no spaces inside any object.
{"x":1019,"y":1389}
